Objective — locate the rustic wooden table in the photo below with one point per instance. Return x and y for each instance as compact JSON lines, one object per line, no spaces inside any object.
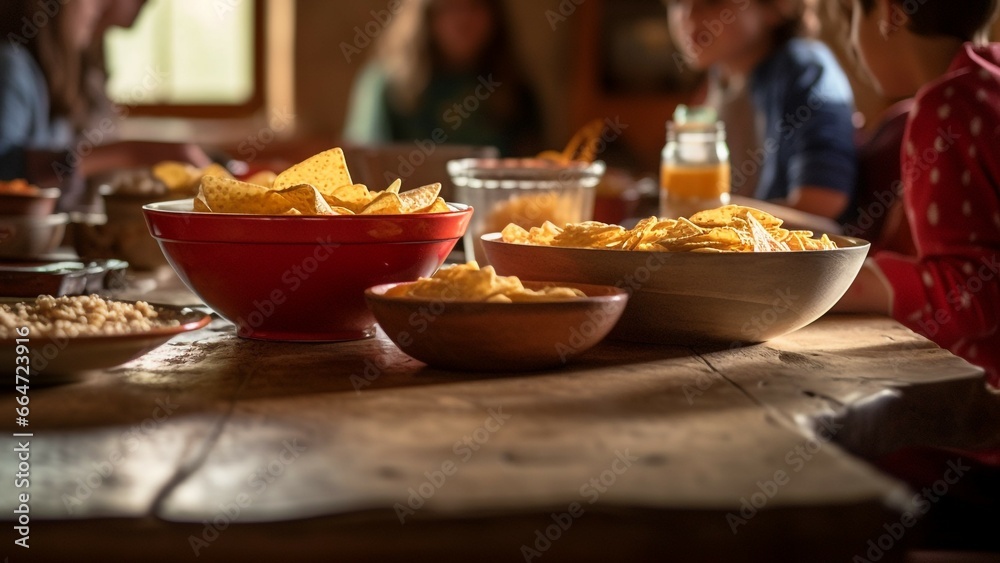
{"x":222,"y":449}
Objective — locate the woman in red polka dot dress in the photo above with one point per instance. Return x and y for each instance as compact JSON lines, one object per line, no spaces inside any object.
{"x":949,"y":291}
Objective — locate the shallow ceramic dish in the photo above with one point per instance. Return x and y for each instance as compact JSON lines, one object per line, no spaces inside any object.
{"x":477,"y":336}
{"x":299,"y":278}
{"x":55,"y":359}
{"x":693,"y":298}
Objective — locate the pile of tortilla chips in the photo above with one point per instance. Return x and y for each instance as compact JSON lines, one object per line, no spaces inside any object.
{"x":531,"y":209}
{"x":467,"y":282}
{"x":320,"y":185}
{"x":732,"y":228}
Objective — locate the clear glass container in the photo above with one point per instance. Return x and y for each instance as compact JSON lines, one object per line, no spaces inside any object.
{"x":524,"y":191}
{"x":694,"y":173}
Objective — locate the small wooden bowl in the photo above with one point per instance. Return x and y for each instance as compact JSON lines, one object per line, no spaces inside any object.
{"x":28,"y":237}
{"x":477,"y":336}
{"x":30,"y":205}
{"x":694,"y":298}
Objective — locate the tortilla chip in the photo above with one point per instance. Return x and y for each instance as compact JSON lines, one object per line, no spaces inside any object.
{"x":354,"y":197}
{"x":200,"y":205}
{"x":306,"y":199}
{"x":226,"y":195}
{"x":439,"y":206}
{"x":385,"y":204}
{"x":419,"y":198}
{"x":327,"y":171}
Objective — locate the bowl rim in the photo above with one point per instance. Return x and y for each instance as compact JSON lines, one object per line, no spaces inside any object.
{"x":43,"y":193}
{"x":611,"y":294}
{"x":49,"y":220}
{"x":854,"y":245}
{"x":526,"y":173}
{"x":164,"y":207}
{"x":128,"y":197}
{"x":524,"y":163}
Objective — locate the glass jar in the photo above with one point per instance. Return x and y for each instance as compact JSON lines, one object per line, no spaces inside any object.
{"x":694,"y":173}
{"x":523,"y":191}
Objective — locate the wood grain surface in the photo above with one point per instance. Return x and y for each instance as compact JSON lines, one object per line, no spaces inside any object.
{"x":315,"y":452}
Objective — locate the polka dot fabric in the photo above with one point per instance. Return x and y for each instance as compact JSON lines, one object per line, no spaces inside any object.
{"x":950,"y":291}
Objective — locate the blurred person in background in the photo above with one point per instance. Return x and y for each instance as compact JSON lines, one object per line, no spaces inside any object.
{"x":802,"y":99}
{"x":118,"y":13}
{"x":936,"y":53}
{"x":445,"y":69}
{"x":49,"y":104}
{"x":876,"y":212}
{"x":950,"y":170}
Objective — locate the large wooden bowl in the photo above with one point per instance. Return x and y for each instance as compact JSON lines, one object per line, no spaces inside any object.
{"x":696,"y":298}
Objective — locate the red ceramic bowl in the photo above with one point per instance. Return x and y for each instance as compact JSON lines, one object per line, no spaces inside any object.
{"x":299,"y":278}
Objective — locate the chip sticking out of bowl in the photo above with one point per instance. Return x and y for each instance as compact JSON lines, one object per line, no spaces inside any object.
{"x":327,"y":171}
{"x":226,"y":195}
{"x":420,"y":198}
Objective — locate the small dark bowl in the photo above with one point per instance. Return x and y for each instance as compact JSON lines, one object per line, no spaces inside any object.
{"x":27,"y":237}
{"x":34,"y":205}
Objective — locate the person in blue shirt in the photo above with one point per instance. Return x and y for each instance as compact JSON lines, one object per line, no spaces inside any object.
{"x":39,"y":109}
{"x":803,"y":101}
{"x":51,"y":130}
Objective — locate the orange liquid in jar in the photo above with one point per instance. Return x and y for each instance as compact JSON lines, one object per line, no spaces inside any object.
{"x":708,"y":182}
{"x":686,"y":190}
